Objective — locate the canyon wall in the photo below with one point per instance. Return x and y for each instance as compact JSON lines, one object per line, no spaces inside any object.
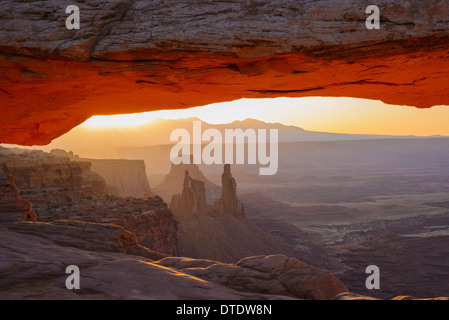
{"x":12,"y":206}
{"x":62,"y":186}
{"x":39,"y":170}
{"x":152,"y":222}
{"x":125,"y":178}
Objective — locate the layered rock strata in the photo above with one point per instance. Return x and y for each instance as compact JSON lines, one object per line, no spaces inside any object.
{"x":39,"y":170}
{"x":64,"y":188}
{"x":12,"y":206}
{"x":149,"y":219}
{"x":155,"y":229}
{"x":123,"y":177}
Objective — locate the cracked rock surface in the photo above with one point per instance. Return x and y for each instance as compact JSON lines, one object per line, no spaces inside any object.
{"x":114,"y":266}
{"x":277,"y":274}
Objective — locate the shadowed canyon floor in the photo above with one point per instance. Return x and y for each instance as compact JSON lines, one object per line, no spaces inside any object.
{"x":411,"y":251}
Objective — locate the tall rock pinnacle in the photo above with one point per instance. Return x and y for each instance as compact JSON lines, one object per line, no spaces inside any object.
{"x":229,"y":202}
{"x":192,"y":199}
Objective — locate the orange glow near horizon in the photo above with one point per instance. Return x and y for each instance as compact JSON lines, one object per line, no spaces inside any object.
{"x":338,"y":115}
{"x":100,"y":135}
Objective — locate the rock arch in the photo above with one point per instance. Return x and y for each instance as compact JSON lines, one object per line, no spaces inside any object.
{"x":135,"y":56}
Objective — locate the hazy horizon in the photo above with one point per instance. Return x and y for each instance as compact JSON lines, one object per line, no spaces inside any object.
{"x":324,"y":114}
{"x":344,"y":116}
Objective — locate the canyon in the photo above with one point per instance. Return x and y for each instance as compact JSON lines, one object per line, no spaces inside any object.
{"x":239,"y":246}
{"x":58,"y":169}
{"x":34,"y":256}
{"x":77,"y":218}
{"x":123,"y":177}
{"x":326,"y":224}
{"x":61,"y":188}
{"x":100,"y":249}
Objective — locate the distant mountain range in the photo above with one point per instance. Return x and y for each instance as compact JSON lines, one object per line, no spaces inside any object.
{"x":158,"y":133}
{"x":105,"y":143}
{"x":286,"y":133}
{"x":297,"y":134}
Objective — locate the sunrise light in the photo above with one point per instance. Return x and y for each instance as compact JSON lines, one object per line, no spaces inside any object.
{"x":329,"y":114}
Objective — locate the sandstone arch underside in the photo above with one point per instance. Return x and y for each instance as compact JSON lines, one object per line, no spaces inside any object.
{"x":135,"y":56}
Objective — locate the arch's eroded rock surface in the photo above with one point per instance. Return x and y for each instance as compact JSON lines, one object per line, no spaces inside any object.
{"x":134,"y":56}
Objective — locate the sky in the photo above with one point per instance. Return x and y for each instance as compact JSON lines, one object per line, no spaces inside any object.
{"x":325,"y":114}
{"x":338,"y":115}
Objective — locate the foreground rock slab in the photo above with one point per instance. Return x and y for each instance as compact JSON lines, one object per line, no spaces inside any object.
{"x":87,"y":236}
{"x":33,"y":267}
{"x":277,"y":274}
{"x":353,"y":296}
{"x":114,"y":266}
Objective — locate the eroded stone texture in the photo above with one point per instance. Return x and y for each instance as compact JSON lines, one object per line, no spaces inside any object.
{"x":173,"y":182}
{"x":154,"y":229}
{"x":191,"y":202}
{"x":39,"y":170}
{"x":126,"y":178}
{"x":277,"y":274}
{"x":99,"y":237}
{"x":12,"y":206}
{"x":192,"y":199}
{"x":136,"y":55}
{"x":114,"y":266}
{"x":35,"y":257}
{"x":219,"y":231}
